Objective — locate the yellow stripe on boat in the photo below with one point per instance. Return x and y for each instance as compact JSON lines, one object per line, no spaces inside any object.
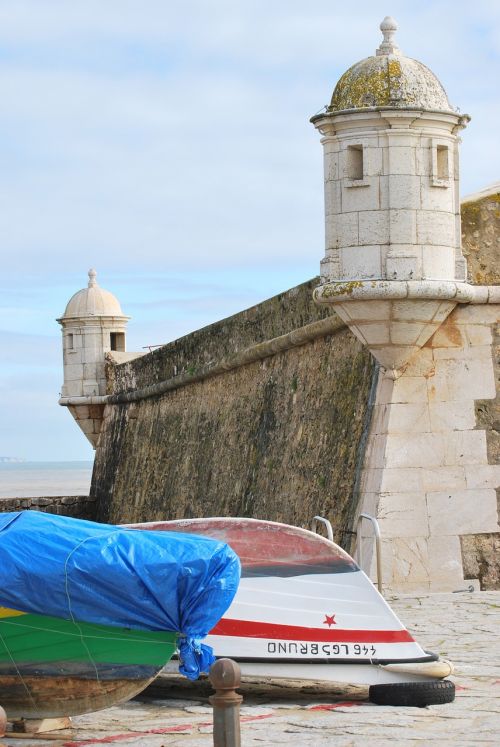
{"x":6,"y":612}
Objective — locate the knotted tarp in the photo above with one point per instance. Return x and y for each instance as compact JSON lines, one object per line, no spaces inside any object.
{"x":145,"y":580}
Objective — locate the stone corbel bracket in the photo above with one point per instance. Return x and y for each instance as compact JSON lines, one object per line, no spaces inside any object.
{"x":395,"y":318}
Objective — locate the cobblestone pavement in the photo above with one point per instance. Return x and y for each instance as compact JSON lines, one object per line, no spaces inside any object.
{"x":464,"y":627}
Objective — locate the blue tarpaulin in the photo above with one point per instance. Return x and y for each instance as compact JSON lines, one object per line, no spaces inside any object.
{"x":99,"y":573}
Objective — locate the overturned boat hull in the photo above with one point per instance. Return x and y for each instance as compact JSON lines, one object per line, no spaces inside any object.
{"x":305,"y":611}
{"x":50,"y":666}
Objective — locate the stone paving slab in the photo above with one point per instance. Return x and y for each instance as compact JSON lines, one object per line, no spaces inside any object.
{"x":464,"y":627}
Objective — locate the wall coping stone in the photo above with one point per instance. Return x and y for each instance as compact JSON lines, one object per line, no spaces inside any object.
{"x":259,"y":351}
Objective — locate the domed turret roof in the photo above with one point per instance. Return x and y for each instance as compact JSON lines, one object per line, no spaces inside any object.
{"x":388,"y":79}
{"x":92,"y":301}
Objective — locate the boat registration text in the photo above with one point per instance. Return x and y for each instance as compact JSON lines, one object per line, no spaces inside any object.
{"x":322,"y":649}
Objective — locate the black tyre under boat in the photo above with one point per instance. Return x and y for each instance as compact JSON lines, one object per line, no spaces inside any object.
{"x":418,"y":694}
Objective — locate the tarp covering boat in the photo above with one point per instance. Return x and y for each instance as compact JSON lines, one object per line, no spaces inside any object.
{"x":97,"y":573}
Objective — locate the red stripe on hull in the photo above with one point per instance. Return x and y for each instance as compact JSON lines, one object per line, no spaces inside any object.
{"x":250,"y":629}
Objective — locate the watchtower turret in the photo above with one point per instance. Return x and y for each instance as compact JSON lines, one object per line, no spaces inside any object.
{"x":93,"y":324}
{"x":392,"y":212}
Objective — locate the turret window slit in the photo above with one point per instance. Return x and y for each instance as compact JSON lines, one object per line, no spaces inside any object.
{"x":117,"y":340}
{"x":355,"y":162}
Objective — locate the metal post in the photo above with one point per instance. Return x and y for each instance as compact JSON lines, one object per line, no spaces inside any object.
{"x":225,"y":676}
{"x":322,"y":520}
{"x":378,"y":548}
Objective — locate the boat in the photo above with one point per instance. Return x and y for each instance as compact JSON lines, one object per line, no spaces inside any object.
{"x":91,"y":613}
{"x":50,"y":667}
{"x":304,"y":611}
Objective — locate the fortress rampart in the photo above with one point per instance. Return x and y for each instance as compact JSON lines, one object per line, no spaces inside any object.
{"x":279,"y":435}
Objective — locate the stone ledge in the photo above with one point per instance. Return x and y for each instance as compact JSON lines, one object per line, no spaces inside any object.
{"x":277,"y":316}
{"x":267,"y":349}
{"x":76,"y":506}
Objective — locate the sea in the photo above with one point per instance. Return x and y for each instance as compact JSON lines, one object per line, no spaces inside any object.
{"x":30,"y":479}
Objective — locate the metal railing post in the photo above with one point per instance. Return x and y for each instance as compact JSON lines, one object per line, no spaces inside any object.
{"x":326,"y":523}
{"x":225,"y":677}
{"x":378,"y":550}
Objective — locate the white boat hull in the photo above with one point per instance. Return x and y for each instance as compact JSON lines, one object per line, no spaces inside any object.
{"x":349,"y":674}
{"x":305,"y":611}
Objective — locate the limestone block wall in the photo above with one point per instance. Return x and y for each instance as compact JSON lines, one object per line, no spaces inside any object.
{"x":481,"y":552}
{"x":399,"y":217}
{"x":432,"y":471}
{"x":280,"y":437}
{"x":84,"y":373}
{"x":428,"y":474}
{"x":89,"y":418}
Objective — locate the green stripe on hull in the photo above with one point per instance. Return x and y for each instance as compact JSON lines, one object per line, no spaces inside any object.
{"x":37,"y":638}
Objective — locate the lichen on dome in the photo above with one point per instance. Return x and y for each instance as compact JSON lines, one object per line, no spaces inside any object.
{"x":92,"y":301}
{"x":388,"y":79}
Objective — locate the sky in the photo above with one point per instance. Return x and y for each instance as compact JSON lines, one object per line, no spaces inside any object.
{"x":168,"y":144}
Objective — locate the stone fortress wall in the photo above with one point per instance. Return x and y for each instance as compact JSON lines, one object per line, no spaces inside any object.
{"x":431,"y":473}
{"x":277,"y":434}
{"x":279,"y":412}
{"x":481,"y":248}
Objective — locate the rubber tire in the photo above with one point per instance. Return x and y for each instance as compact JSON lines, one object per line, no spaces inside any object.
{"x":418,"y":694}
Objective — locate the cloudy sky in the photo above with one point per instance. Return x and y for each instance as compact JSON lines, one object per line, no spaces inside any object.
{"x":167,"y":144}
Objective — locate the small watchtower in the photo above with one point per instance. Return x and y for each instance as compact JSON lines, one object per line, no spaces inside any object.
{"x":93,"y":324}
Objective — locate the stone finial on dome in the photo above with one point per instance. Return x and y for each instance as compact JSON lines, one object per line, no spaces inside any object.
{"x":92,"y":278}
{"x":388,"y":28}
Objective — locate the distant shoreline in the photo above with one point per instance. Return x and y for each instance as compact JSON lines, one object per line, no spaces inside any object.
{"x":28,"y":465}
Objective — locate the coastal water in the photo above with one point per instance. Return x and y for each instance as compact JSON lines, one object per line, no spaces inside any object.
{"x":29,"y":479}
